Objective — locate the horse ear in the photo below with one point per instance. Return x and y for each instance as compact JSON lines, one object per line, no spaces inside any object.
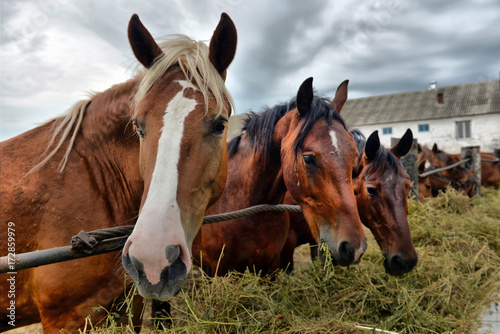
{"x":419,"y":148}
{"x":144,"y":46}
{"x":404,"y":145}
{"x":421,"y":166}
{"x":223,"y":45}
{"x":372,"y":146}
{"x":435,"y":148}
{"x":305,"y":96}
{"x":340,"y":97}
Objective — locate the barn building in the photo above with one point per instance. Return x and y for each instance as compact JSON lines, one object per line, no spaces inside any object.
{"x":452,"y":117}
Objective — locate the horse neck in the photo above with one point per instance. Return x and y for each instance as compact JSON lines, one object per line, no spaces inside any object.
{"x":255,"y":175}
{"x":107,"y":139}
{"x":109,"y":113}
{"x":259,"y":176}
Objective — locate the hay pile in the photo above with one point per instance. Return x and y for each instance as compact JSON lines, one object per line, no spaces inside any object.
{"x":458,"y":242}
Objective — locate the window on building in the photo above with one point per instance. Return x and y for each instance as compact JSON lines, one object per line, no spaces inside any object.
{"x":387,"y":131}
{"x":463,"y":129}
{"x":423,"y":128}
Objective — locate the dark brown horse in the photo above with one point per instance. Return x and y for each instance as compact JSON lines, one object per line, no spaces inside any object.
{"x":381,"y":186}
{"x":303,"y":146}
{"x":151,"y":150}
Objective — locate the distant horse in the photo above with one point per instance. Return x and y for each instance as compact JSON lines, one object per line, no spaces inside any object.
{"x":458,"y":177}
{"x":465,"y":180}
{"x":430,"y":185}
{"x":490,"y":169}
{"x":424,"y":156}
{"x":303,"y":147}
{"x":381,"y":186}
{"x":424,"y":183}
{"x":151,"y":150}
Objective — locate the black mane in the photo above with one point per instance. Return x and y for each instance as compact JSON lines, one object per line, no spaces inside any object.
{"x":320,"y":108}
{"x":259,"y":127}
{"x":360,"y":140}
{"x":445,"y":157}
{"x":384,"y":160}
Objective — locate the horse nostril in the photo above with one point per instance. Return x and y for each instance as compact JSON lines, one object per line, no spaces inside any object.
{"x":172,"y":252}
{"x":346,"y":253}
{"x":397,"y":263}
{"x":132,"y":266}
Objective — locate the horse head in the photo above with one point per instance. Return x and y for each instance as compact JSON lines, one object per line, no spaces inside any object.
{"x":181,"y":113}
{"x":318,"y":154}
{"x":381,"y":187}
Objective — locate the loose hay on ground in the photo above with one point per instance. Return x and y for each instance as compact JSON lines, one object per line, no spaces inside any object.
{"x":458,"y":241}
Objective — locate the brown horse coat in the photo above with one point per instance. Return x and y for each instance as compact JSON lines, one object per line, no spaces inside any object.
{"x":102,"y":179}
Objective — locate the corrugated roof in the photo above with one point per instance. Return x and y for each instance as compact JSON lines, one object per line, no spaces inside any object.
{"x":458,"y":101}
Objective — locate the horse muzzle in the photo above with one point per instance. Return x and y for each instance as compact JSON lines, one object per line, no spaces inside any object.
{"x":344,"y":255}
{"x":398,"y":264}
{"x":171,"y":278}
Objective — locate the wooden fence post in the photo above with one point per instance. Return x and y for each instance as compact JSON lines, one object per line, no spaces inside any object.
{"x":410,"y":164}
{"x":474,"y":165}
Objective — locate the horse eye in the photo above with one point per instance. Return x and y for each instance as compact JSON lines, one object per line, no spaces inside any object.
{"x":309,"y":160}
{"x":219,"y":126}
{"x":138,"y":129}
{"x":372,"y":191}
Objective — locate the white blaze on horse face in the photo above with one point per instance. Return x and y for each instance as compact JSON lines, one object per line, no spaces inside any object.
{"x":159,"y":223}
{"x":335,"y":144}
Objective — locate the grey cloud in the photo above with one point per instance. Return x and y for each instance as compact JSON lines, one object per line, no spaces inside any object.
{"x":383,"y":47}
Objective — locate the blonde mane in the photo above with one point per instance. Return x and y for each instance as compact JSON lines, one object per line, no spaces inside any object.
{"x":71,"y":118}
{"x":192,"y":58}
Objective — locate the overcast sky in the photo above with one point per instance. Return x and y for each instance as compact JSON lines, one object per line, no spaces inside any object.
{"x":53,"y":52}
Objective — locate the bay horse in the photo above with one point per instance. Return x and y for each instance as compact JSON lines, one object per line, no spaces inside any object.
{"x":381,"y":187}
{"x":424,"y":183}
{"x":151,"y":150}
{"x":430,"y":185}
{"x":490,"y":169}
{"x":304,"y":147}
{"x":458,"y":178}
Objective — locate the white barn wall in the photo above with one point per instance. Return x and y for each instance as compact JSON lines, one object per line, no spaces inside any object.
{"x":485,"y":132}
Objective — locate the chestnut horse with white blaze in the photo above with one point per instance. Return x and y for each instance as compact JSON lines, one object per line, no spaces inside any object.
{"x":303,"y":147}
{"x":99,"y":174}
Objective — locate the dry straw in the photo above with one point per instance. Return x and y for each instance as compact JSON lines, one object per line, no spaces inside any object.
{"x":456,"y":279}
